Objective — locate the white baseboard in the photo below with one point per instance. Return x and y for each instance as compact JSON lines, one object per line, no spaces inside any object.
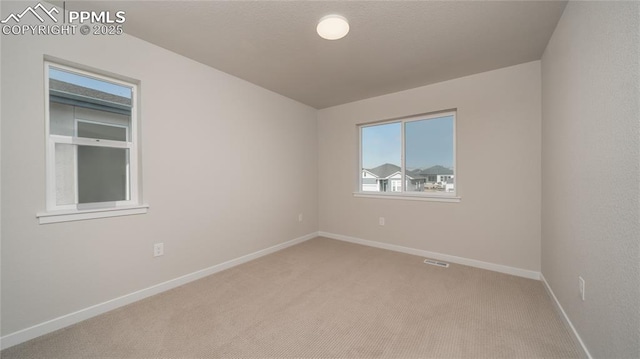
{"x":49,"y":326}
{"x":434,"y":255}
{"x":565,"y":318}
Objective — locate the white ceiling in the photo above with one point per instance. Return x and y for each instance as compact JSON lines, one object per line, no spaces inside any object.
{"x":392,"y":45}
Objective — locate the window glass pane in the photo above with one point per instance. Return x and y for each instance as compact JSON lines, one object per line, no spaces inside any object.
{"x":61,"y":119}
{"x":74,"y":96}
{"x":101,"y":131}
{"x":88,"y":84}
{"x":429,"y":155}
{"x":106,"y":125}
{"x":65,"y":174}
{"x":103,"y":174}
{"x":381,"y":157}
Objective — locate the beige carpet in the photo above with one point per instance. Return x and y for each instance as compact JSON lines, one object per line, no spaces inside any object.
{"x":325,"y":298}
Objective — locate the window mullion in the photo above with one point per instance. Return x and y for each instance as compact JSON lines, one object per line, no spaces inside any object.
{"x":100,"y":143}
{"x":81,"y":141}
{"x":75,"y":172}
{"x":402,"y":157}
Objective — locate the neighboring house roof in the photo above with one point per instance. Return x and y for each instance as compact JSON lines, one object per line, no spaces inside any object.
{"x":414,"y":173}
{"x":66,"y":89}
{"x":435,"y":170}
{"x":385,"y":170}
{"x":369,"y":172}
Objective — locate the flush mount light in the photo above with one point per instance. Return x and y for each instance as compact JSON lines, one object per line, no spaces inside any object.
{"x":333,"y":27}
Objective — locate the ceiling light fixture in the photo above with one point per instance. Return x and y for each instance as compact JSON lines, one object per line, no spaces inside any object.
{"x":333,"y":27}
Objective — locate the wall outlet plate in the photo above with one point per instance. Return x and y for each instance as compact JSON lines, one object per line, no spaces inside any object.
{"x":158,"y":249}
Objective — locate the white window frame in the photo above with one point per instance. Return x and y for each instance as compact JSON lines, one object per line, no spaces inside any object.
{"x":81,"y":211}
{"x":406,"y":195}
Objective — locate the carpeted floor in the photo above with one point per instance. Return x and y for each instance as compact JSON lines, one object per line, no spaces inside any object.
{"x":325,"y":298}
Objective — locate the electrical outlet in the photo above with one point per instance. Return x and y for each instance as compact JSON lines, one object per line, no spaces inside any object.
{"x":300,"y":217}
{"x":581,"y":287}
{"x":381,"y":221}
{"x":158,"y":249}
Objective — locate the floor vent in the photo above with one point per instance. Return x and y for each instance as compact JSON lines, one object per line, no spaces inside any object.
{"x":437,"y":263}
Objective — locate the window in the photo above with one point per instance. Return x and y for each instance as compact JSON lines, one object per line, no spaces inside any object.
{"x":395,"y":186}
{"x":92,"y":157}
{"x":416,"y":155}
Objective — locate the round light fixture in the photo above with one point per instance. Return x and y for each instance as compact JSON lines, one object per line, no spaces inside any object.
{"x":333,"y":27}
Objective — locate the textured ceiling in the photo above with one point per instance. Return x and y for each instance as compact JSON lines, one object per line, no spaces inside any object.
{"x":392,"y":45}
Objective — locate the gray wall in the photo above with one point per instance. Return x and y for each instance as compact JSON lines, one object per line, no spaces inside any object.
{"x":208,"y":141}
{"x":498,"y":133}
{"x":590,"y":173}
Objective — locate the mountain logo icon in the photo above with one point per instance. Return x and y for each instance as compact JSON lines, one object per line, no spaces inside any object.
{"x":34,"y":12}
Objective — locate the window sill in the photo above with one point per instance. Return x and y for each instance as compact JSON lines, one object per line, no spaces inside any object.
{"x":408,"y":197}
{"x":79,"y":215}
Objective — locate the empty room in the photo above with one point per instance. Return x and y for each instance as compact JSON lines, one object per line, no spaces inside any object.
{"x":326,"y":179}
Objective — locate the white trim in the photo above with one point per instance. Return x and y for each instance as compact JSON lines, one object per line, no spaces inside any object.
{"x":360,"y":162}
{"x":455,"y":154}
{"x":81,"y":141}
{"x":135,"y":170}
{"x":525,"y":273}
{"x":50,"y":172}
{"x":403,"y":156}
{"x":49,"y":326}
{"x":95,"y":74}
{"x":79,"y":215}
{"x":407,"y":196}
{"x":565,"y":318}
